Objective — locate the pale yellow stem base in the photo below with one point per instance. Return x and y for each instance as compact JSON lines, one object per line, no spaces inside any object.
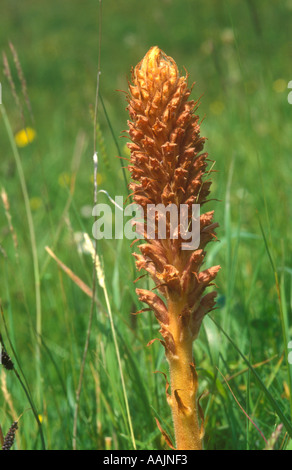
{"x":183,"y":381}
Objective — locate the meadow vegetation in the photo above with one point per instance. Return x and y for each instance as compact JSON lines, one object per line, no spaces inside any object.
{"x":239,"y":55}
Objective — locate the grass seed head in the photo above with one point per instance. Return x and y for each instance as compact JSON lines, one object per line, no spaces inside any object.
{"x":10,"y":436}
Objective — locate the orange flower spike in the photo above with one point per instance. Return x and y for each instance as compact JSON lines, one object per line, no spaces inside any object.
{"x":167,"y":168}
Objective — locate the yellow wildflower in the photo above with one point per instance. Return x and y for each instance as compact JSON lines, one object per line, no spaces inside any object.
{"x":24,"y":137}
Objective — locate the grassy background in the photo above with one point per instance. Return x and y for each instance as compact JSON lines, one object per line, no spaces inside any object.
{"x":239,"y":54}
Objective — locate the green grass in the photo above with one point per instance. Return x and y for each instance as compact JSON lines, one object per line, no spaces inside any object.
{"x":241,"y":66}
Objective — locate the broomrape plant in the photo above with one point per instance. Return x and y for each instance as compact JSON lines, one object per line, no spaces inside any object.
{"x":168,"y":168}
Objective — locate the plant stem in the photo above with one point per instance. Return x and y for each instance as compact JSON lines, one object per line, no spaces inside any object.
{"x":183,"y":385}
{"x":38,"y":327}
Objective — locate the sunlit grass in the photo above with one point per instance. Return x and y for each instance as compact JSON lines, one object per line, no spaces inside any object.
{"x":241,"y":72}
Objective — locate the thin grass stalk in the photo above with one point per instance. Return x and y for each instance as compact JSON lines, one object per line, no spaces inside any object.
{"x":242,"y":409}
{"x":101,"y":280}
{"x":23,"y":382}
{"x":98,"y":275}
{"x":88,"y":333}
{"x":38,"y":327}
{"x":168,"y":168}
{"x":286,"y":422}
{"x":283,"y":317}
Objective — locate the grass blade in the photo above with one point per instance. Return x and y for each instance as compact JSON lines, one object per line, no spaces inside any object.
{"x":259,"y":381}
